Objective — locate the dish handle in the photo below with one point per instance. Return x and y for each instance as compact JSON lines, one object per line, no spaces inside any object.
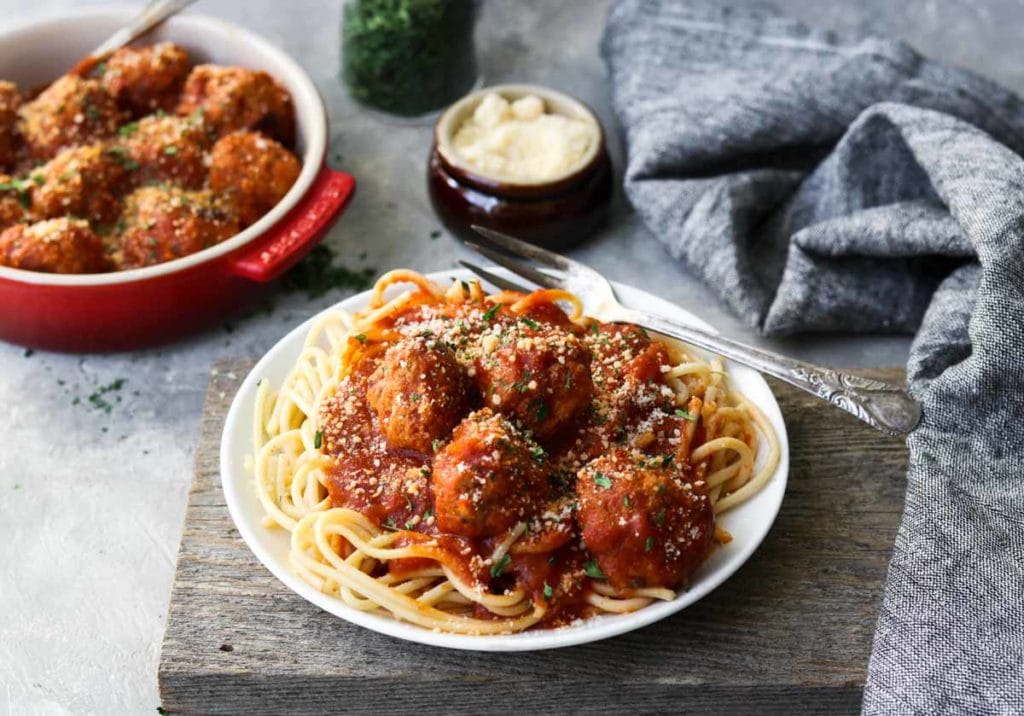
{"x":297,"y":233}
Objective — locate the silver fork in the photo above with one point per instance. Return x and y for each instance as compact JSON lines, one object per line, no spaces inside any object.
{"x":885,"y":406}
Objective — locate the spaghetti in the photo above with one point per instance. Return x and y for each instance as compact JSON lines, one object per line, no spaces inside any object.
{"x":484,"y":464}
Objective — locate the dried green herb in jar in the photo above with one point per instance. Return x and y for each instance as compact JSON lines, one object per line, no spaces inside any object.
{"x":408,"y":57}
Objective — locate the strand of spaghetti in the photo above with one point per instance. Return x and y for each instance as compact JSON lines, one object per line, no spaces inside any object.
{"x":615,"y":605}
{"x":551,"y":295}
{"x":765,"y":472}
{"x":309,"y":533}
{"x":506,"y":544}
{"x":724,"y":443}
{"x":397,"y":276}
{"x":606,"y":590}
{"x":354,"y":528}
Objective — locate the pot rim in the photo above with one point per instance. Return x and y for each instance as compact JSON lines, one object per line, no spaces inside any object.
{"x":308,"y":104}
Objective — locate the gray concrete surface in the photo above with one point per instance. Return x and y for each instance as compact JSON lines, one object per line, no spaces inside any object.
{"x":91,"y":502}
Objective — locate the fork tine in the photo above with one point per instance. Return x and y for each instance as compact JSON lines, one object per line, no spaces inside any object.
{"x":494,"y":279}
{"x":523,"y":249}
{"x":517,"y":267}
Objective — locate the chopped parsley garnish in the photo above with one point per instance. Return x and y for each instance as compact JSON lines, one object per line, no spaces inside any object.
{"x":540,"y":410}
{"x":659,"y":518}
{"x":170,"y":149}
{"x":121,"y":156}
{"x":568,"y":379}
{"x":436,"y":445}
{"x":625,"y":501}
{"x":685,"y":414}
{"x":390,"y":524}
{"x":593,"y":570}
{"x":602,"y":480}
{"x":666,"y":459}
{"x":529,"y":322}
{"x":594,"y":328}
{"x":537,"y":453}
{"x":492,"y":311}
{"x":126,"y":130}
{"x":318,"y":439}
{"x":361,"y":337}
{"x":409,"y":525}
{"x":499,"y":567}
{"x":316,"y":275}
{"x":415,"y":397}
{"x":649,"y":544}
{"x":98,"y":400}
{"x":548,"y":591}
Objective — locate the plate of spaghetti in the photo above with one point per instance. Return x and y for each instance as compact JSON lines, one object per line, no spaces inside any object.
{"x":496,"y":470}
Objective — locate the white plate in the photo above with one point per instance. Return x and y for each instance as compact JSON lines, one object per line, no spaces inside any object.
{"x":748,"y":523}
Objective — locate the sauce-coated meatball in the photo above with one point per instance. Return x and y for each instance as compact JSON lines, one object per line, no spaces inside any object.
{"x":258,"y":170}
{"x":12,"y":203}
{"x":487,"y":478}
{"x":646,"y":523}
{"x":54,"y":246}
{"x":535,"y":373}
{"x":166,"y":148}
{"x":10,"y":101}
{"x":232,"y":98}
{"x":80,"y":181}
{"x":146,"y":79}
{"x":420,"y":393}
{"x":164,"y":223}
{"x":71,"y":111}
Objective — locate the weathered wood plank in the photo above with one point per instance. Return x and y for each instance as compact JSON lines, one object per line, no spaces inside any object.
{"x":789,"y":631}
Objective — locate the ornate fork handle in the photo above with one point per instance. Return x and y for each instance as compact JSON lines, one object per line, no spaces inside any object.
{"x":885,"y":406}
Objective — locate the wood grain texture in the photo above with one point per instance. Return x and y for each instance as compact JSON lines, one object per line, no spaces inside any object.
{"x":790,"y":631}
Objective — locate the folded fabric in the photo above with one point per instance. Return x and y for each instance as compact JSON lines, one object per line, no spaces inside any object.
{"x":819,"y":183}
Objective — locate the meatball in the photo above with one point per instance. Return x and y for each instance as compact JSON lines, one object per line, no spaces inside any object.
{"x":73,"y":110}
{"x":166,"y":148}
{"x":231,"y":98}
{"x":145,"y":79}
{"x":256,"y":168}
{"x":535,"y":373}
{"x":646,"y":523}
{"x":80,"y":181}
{"x":54,"y":246}
{"x":487,"y":478}
{"x":10,"y":101}
{"x":12,"y":202}
{"x":420,"y":393}
{"x":162,"y":223}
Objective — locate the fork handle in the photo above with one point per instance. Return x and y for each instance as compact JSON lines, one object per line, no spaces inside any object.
{"x":883,"y":405}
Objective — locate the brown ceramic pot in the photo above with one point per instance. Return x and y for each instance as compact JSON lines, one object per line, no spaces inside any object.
{"x":556,"y":214}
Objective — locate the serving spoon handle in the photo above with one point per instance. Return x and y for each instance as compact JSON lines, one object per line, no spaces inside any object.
{"x":152,"y":15}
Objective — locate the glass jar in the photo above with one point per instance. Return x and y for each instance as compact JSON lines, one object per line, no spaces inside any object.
{"x":408,"y":57}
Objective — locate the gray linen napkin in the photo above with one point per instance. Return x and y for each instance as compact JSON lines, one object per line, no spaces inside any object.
{"x":826,"y":183}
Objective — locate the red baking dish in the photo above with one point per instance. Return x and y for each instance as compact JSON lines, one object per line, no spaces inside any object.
{"x":157,"y":304}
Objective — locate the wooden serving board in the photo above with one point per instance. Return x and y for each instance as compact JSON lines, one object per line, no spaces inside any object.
{"x":789,"y":632}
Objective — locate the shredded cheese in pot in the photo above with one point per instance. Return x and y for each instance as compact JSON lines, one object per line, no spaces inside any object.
{"x":518,"y":141}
